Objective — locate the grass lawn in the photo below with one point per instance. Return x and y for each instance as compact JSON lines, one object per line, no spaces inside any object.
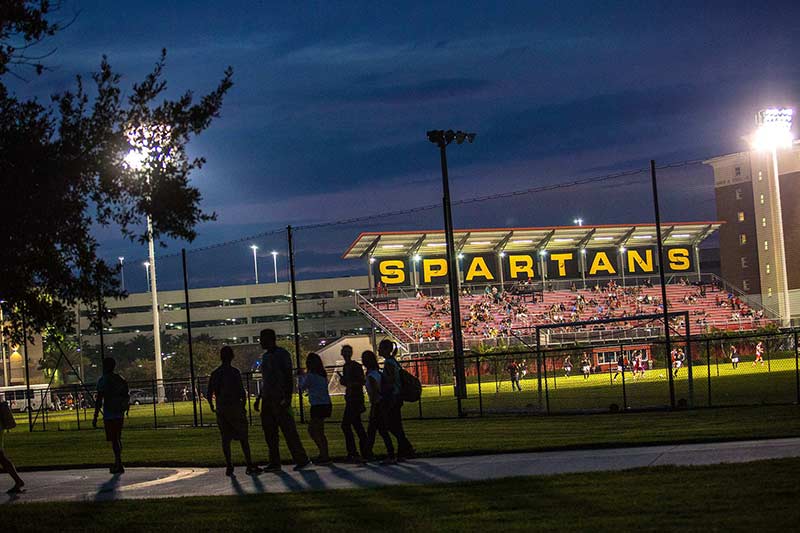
{"x":774,"y":383}
{"x":744,"y":497}
{"x":200,"y":446}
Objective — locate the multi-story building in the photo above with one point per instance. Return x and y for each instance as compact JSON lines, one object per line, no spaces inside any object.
{"x":749,"y":240}
{"x":236,"y":314}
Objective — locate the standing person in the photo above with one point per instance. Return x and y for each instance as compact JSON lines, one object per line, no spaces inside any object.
{"x":113,"y":398}
{"x":734,"y":356}
{"x":315,"y":383}
{"x":679,"y":358}
{"x":759,"y":354}
{"x":393,"y":384}
{"x":567,"y":366}
{"x":620,"y":365}
{"x":378,"y":414}
{"x":6,"y":424}
{"x":513,"y":371}
{"x":586,"y":365}
{"x":352,"y":379}
{"x":276,"y":394}
{"x":225,"y":386}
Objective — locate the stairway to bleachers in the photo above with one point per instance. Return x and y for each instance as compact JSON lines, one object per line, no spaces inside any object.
{"x":411,"y":321}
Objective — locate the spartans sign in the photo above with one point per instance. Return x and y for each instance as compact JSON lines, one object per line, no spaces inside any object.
{"x":517,"y":266}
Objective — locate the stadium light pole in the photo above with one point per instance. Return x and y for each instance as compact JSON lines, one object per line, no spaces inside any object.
{"x":442,"y":138}
{"x":255,"y":260}
{"x":146,"y":265}
{"x":775,"y":131}
{"x":122,"y":271}
{"x":275,"y":264}
{"x":145,"y":157}
{"x":578,"y":222}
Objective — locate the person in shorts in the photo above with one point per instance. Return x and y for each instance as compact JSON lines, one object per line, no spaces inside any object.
{"x":315,"y":383}
{"x":567,"y":366}
{"x":113,"y":398}
{"x":734,"y":356}
{"x":759,"y":354}
{"x":225,"y":387}
{"x":680,"y":357}
{"x":5,"y":462}
{"x":586,"y":365}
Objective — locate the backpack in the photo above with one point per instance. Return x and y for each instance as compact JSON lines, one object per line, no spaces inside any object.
{"x":410,"y":387}
{"x":6,"y":417}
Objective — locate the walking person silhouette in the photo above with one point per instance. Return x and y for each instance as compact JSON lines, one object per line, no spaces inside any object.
{"x":226,"y":388}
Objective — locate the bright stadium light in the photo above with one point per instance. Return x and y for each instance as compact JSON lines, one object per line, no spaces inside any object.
{"x":275,"y":264}
{"x":255,"y":260}
{"x":578,"y":222}
{"x":774,"y":132}
{"x":417,"y":257}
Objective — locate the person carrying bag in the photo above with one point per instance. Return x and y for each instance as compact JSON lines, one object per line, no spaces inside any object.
{"x":7,"y":423}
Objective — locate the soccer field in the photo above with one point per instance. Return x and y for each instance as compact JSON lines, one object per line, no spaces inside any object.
{"x":714,"y":385}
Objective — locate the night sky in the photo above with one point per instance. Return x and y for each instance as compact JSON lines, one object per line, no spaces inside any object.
{"x":331,"y":103}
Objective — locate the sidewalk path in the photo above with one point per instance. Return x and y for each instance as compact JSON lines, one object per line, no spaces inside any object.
{"x":99,"y":485}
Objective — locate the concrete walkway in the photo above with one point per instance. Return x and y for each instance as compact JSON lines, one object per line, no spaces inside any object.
{"x":136,"y":483}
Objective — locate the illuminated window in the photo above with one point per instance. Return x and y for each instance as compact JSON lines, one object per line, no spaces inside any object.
{"x":769,"y":292}
{"x":738,"y":194}
{"x":760,"y":175}
{"x":768,"y":269}
{"x":742,"y":238}
{"x":737,"y":171}
{"x":761,"y":199}
{"x":766,"y":246}
{"x":743,"y":261}
{"x":740,"y":216}
{"x":763,"y":222}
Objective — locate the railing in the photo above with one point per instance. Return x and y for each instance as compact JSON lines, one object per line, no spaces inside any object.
{"x":368,"y":308}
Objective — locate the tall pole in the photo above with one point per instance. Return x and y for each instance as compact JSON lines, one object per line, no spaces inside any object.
{"x":275,"y":265}
{"x":147,"y":274}
{"x":122,"y":272}
{"x":786,"y":317}
{"x":662,"y":279}
{"x":27,"y":371}
{"x":80,"y":341}
{"x":156,"y":320}
{"x":189,"y":333}
{"x":294,"y":314}
{"x":255,"y":261}
{"x":452,"y":281}
{"x":3,"y":348}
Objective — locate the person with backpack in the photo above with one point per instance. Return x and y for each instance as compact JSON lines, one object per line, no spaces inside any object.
{"x":113,"y":398}
{"x":315,"y":383}
{"x":276,"y":394}
{"x":391,"y":393}
{"x":378,"y":410}
{"x":352,"y":379}
{"x":8,"y":423}
{"x":225,"y":387}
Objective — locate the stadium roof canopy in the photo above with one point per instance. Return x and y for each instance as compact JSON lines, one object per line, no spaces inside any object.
{"x":488,"y":240}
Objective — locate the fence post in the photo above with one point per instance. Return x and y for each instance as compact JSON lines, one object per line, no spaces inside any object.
{"x":555,"y":384}
{"x":77,"y":409}
{"x":249,"y":410}
{"x":155,"y":403}
{"x":708,"y":367}
{"x":480,"y":393}
{"x":295,"y":319}
{"x":416,"y":363}
{"x":624,"y":389}
{"x":189,"y":334}
{"x":796,"y":368}
{"x":689,"y":360}
{"x":496,"y":378}
{"x":538,"y":366}
{"x":546,"y":388}
{"x":199,"y":403}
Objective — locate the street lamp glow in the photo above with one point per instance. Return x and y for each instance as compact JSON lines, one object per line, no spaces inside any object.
{"x":275,"y":264}
{"x":255,"y":260}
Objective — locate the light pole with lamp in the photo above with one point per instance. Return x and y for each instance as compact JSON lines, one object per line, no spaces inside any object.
{"x":146,"y":265}
{"x":275,"y":264}
{"x":578,"y":222}
{"x":255,"y":260}
{"x":147,"y":152}
{"x":442,"y":138}
{"x":774,"y":132}
{"x":122,"y":271}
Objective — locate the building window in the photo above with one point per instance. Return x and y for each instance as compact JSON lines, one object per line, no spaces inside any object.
{"x":745,"y":285}
{"x":768,"y":269}
{"x":743,"y":261}
{"x":763,"y":222}
{"x":760,"y":175}
{"x":738,"y":194}
{"x":769,"y":292}
{"x":742,"y":238}
{"x":737,"y":171}
{"x":766,"y":246}
{"x":740,"y":216}
{"x":761,"y":199}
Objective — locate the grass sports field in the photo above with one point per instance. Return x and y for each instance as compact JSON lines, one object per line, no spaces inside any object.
{"x":717,"y":384}
{"x":719,"y":497}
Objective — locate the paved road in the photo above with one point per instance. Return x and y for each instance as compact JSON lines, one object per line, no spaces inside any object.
{"x":99,"y":485}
